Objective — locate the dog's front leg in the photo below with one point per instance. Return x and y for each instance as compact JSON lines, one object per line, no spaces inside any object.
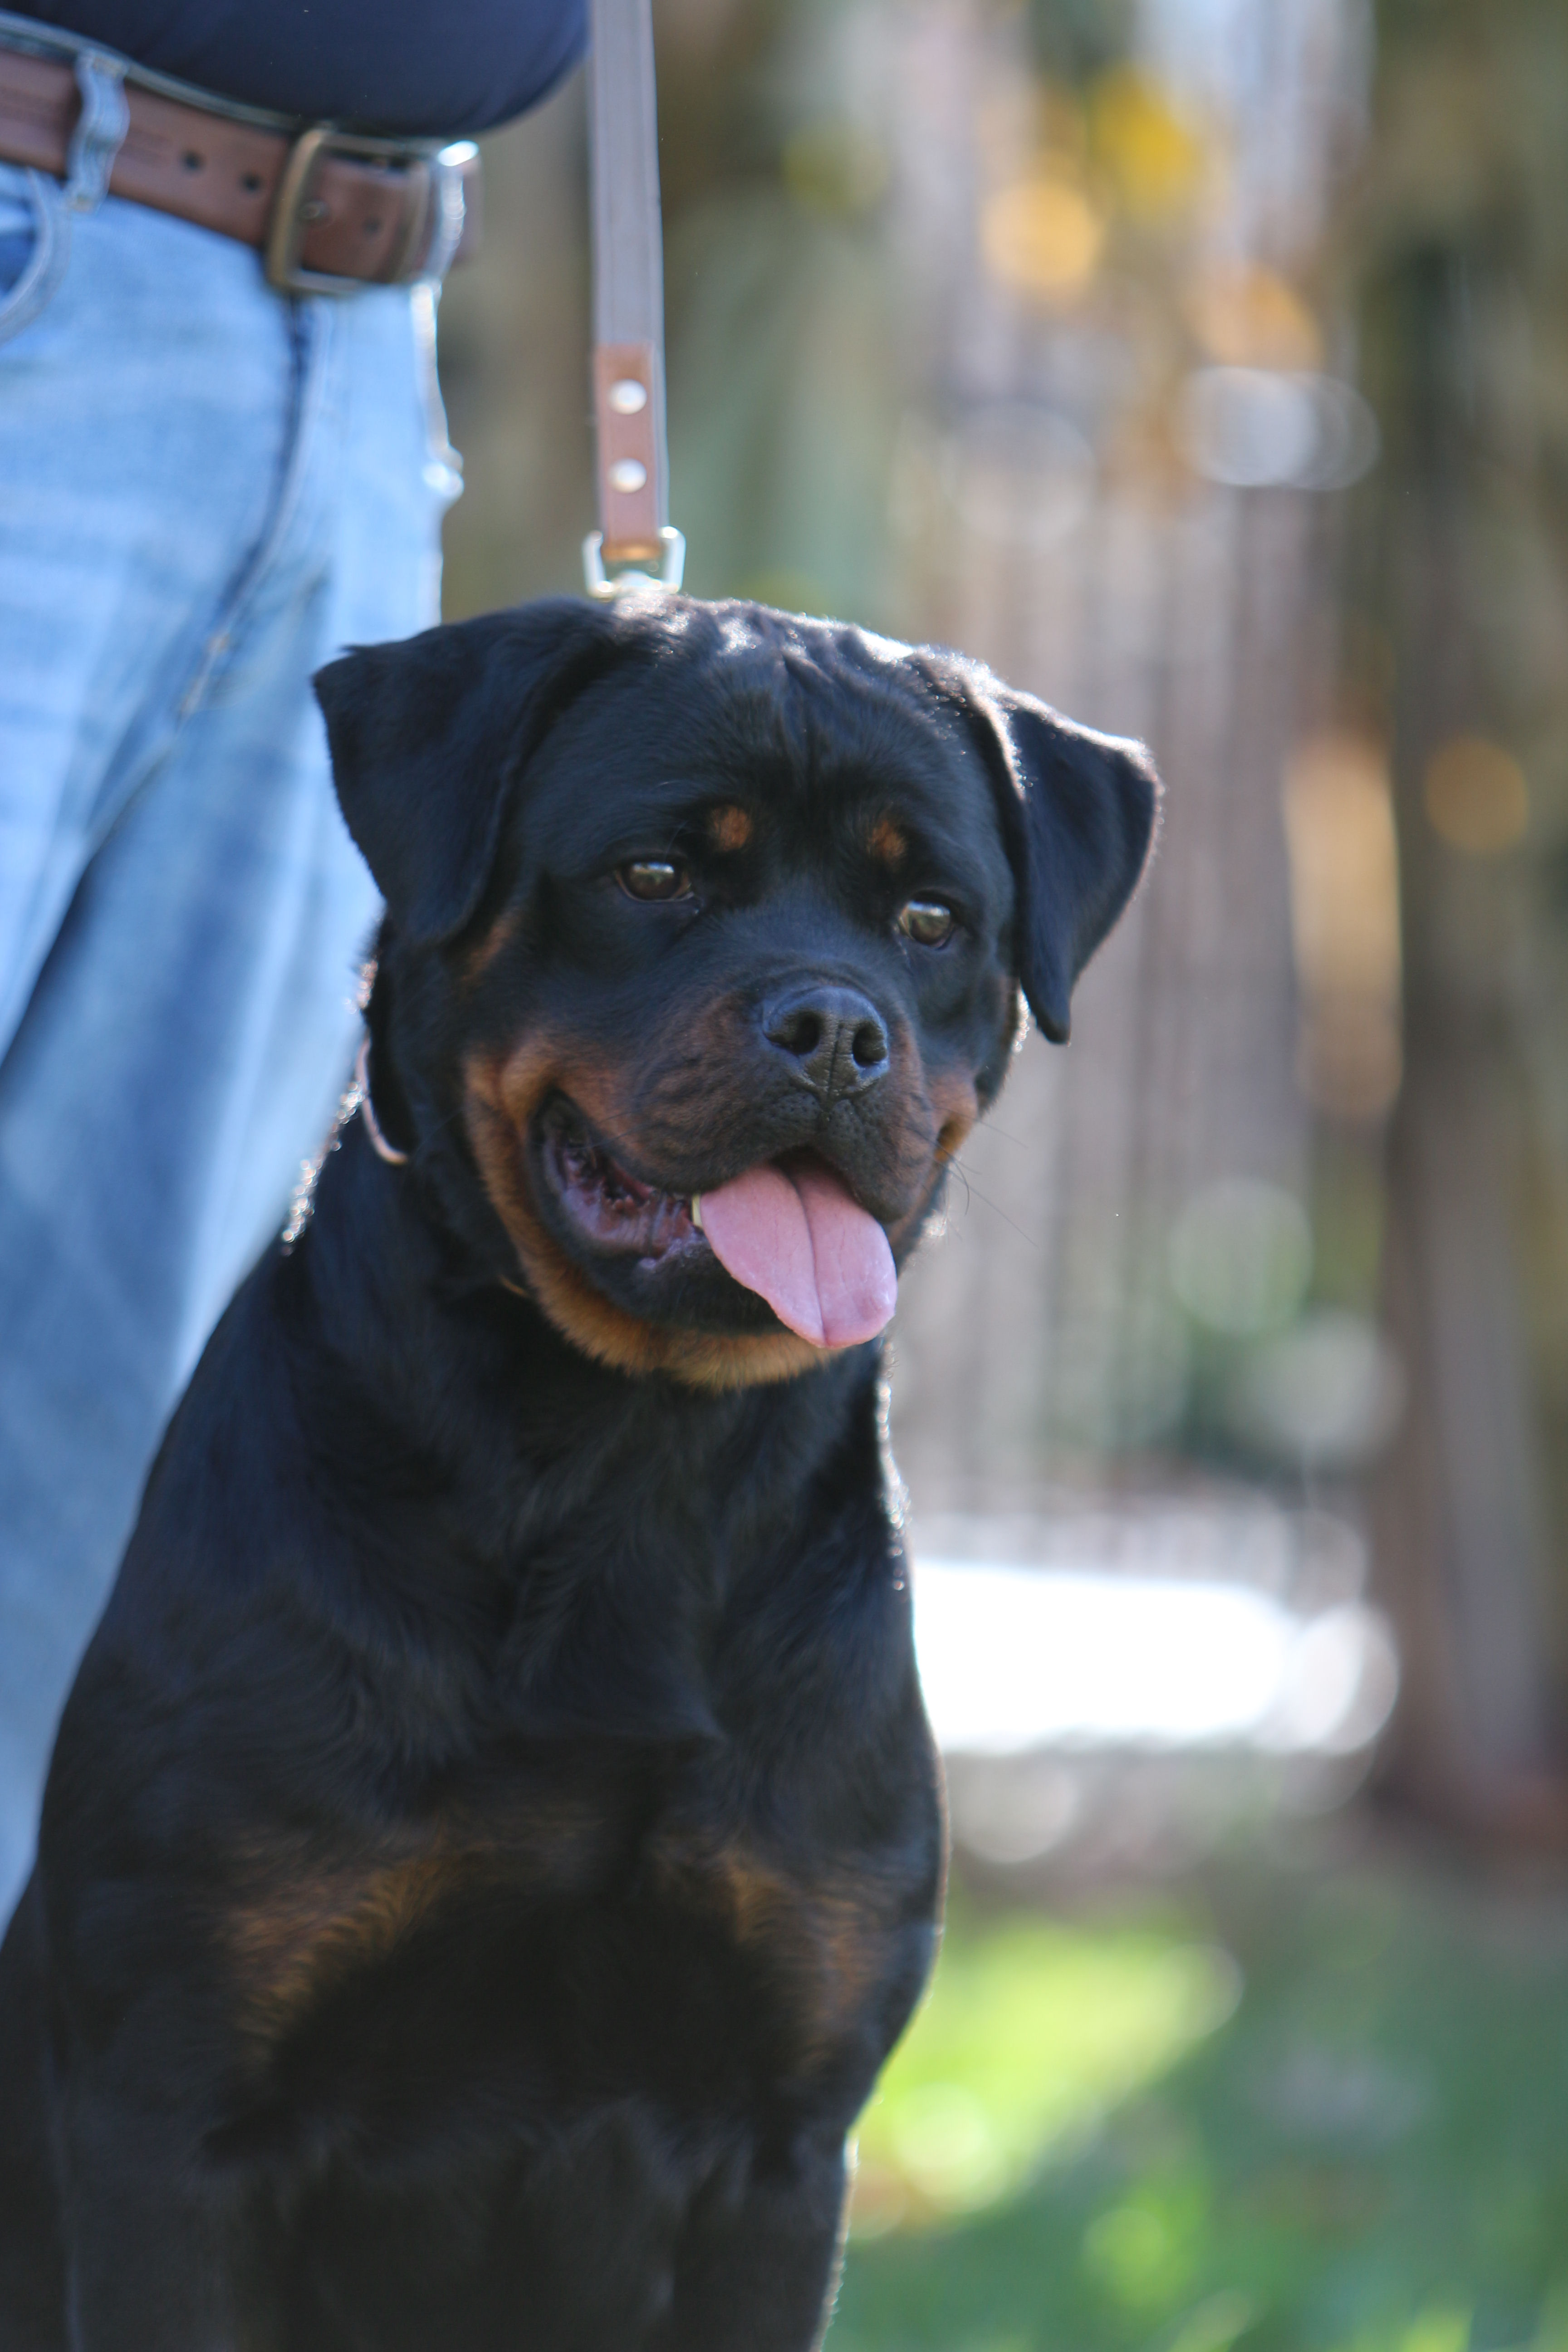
{"x":150,"y":2239}
{"x":760,"y":2258}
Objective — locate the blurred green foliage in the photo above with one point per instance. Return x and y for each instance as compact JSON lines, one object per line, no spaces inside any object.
{"x":1365,"y":2155}
{"x":1032,"y":2029}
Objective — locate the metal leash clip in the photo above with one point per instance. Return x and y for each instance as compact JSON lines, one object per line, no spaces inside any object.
{"x":672,"y":565}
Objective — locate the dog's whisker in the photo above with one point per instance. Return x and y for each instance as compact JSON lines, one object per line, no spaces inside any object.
{"x":971,"y":1188}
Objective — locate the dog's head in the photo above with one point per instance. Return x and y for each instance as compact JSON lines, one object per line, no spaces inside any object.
{"x":705,"y":932}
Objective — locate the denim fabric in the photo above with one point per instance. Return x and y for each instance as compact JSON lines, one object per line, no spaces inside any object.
{"x":206,"y":491}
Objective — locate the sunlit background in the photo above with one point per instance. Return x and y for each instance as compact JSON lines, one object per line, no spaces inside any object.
{"x":1203,"y":364}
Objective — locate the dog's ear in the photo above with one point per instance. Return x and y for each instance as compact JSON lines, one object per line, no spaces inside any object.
{"x":1077,"y":812}
{"x":427,"y":734}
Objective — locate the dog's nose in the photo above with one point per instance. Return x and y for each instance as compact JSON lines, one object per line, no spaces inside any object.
{"x":835,"y":1038}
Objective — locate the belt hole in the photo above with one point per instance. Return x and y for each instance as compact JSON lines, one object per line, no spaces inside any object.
{"x":191,"y":160}
{"x":369,"y":227}
{"x":251,"y":183}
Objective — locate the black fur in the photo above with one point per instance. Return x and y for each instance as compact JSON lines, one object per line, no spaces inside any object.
{"x":494,"y":1839}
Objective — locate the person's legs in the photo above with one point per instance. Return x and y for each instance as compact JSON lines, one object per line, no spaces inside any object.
{"x":215,"y":490}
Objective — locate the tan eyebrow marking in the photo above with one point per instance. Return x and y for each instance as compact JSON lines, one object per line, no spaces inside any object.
{"x":729,"y":827}
{"x":886,"y":841}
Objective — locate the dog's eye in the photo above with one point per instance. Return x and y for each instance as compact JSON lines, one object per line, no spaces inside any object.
{"x":928,"y":922}
{"x":654,"y":877}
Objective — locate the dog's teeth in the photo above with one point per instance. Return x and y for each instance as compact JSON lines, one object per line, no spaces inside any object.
{"x":697,"y":1210}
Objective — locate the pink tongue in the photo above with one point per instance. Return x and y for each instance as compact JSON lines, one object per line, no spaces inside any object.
{"x":821,"y":1263}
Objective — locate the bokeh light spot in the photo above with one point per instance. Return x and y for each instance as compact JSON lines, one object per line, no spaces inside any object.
{"x":1155,"y":160}
{"x":1241,"y":1257}
{"x":1019,"y":474}
{"x":1475,"y":796}
{"x":1252,"y":318}
{"x":1042,"y":236}
{"x":1345,"y":920}
{"x":1327,"y":1394}
{"x":1143,"y":2252}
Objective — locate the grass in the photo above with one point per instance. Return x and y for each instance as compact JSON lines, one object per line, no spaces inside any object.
{"x":1302,"y":2110}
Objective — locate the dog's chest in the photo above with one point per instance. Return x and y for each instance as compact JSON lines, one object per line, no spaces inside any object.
{"x":577,"y":1936}
{"x":647,"y":1880}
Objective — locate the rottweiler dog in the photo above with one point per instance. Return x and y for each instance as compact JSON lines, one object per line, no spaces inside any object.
{"x":494,"y":1839}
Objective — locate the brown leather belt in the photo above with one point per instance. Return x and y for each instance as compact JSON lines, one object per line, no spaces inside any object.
{"x":330,"y":210}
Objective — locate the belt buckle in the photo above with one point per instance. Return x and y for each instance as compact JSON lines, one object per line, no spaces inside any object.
{"x":292,"y":219}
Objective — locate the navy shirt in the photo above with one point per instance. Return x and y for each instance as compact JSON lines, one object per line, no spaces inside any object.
{"x":438,"y":69}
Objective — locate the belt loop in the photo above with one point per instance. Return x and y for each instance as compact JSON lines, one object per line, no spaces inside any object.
{"x":448,"y":208}
{"x":100,"y":130}
{"x":96,"y":142}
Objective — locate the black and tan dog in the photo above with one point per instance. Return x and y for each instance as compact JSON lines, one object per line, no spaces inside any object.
{"x":494,"y":1839}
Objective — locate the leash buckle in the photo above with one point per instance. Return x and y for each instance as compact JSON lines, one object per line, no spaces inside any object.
{"x":432,"y":198}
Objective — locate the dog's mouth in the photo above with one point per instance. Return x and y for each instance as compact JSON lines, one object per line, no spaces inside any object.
{"x":789,"y":1231}
{"x":610,"y":1209}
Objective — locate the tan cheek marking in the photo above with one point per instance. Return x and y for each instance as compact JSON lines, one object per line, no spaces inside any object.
{"x":943,"y":1109}
{"x":953,"y":1106}
{"x":957,"y":1108}
{"x":886,"y":841}
{"x":728,"y":828}
{"x":501,"y":1098}
{"x":955,"y":1133}
{"x":484,"y":951}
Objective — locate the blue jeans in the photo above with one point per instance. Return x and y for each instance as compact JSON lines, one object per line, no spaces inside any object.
{"x":206,"y":491}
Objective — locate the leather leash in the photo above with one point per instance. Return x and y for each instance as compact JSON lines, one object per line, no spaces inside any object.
{"x":629,"y":302}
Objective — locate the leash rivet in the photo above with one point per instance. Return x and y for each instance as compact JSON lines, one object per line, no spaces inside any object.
{"x":628,"y":396}
{"x":627,"y":474}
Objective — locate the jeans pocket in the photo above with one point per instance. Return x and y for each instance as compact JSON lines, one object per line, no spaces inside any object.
{"x":34,"y":246}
